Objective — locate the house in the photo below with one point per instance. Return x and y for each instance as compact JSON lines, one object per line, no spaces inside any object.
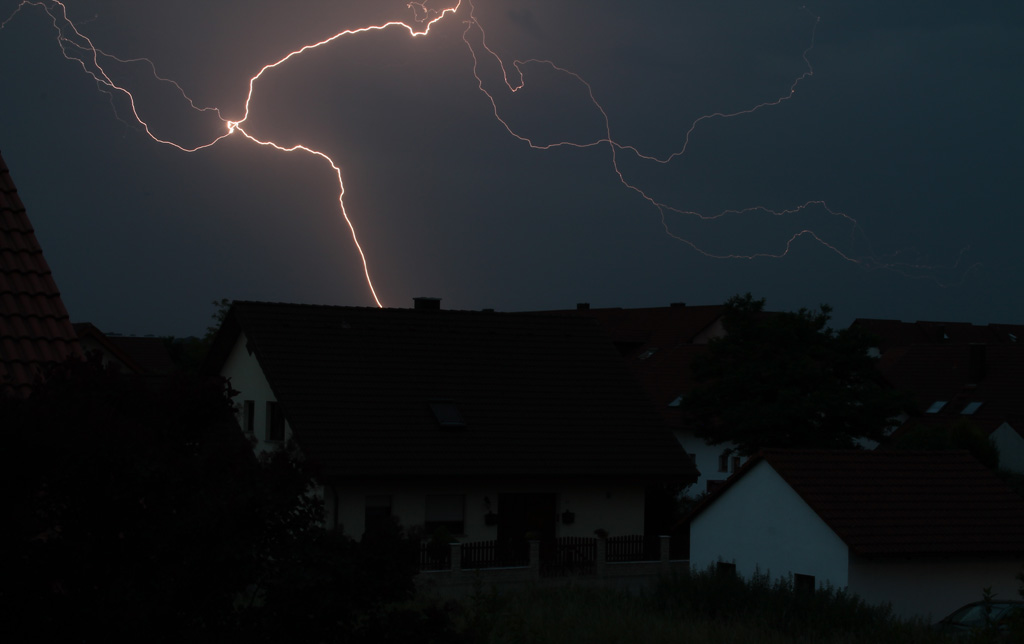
{"x":957,"y":372}
{"x":145,"y":356}
{"x":34,"y":325}
{"x":926,"y":531}
{"x":476,"y":424}
{"x":659,"y":345}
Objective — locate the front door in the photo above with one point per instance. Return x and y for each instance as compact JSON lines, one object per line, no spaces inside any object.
{"x":526,"y":516}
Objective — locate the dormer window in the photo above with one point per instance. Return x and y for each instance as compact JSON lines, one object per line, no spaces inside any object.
{"x":447,"y":414}
{"x":936,"y":407}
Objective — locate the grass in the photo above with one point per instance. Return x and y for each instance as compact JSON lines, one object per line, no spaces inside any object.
{"x":696,"y":608}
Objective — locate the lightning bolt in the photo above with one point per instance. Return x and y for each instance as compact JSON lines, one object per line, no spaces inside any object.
{"x":93,"y":61}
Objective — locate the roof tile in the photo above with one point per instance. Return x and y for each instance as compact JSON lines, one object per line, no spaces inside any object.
{"x":34,"y":325}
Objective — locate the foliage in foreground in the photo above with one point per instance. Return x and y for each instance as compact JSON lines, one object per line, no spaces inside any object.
{"x":138,"y":512}
{"x":689,"y":608}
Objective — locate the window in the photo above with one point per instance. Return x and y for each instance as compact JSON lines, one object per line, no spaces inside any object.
{"x":723,"y":461}
{"x":378,"y":513}
{"x":249,"y":416}
{"x":936,"y":407}
{"x":803,"y":583}
{"x":735,"y":463}
{"x":445,"y":512}
{"x":275,"y":422}
{"x":971,"y":408}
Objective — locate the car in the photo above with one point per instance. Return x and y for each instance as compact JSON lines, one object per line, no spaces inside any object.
{"x":979,"y":615}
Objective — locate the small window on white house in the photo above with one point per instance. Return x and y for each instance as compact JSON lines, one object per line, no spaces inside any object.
{"x":735,"y":463}
{"x":275,"y":422}
{"x":803,"y":584}
{"x":445,"y":512}
{"x":723,"y":461}
{"x":936,"y":407}
{"x":971,"y":407}
{"x":249,"y":416}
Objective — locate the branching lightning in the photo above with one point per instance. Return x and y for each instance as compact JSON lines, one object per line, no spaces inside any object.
{"x":78,"y":48}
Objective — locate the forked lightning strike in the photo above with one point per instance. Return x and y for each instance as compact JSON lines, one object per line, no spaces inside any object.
{"x":77,"y":47}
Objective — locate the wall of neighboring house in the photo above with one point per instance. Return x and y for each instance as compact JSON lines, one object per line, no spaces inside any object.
{"x":616,"y":508}
{"x":246,"y":377}
{"x":761,"y":523}
{"x":932,"y":587}
{"x":708,"y":460}
{"x":1011,"y":448}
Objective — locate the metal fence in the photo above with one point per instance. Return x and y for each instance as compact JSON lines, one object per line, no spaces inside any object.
{"x":495,"y":554}
{"x":633,"y":547}
{"x":568,"y":556}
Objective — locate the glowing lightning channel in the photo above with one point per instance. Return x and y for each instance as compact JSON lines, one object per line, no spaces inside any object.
{"x":77,"y":47}
{"x":66,"y":31}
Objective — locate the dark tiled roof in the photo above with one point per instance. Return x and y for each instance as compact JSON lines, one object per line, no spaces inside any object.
{"x":541,"y":395}
{"x":140,"y":355}
{"x":901,"y":503}
{"x":894,"y":333}
{"x":990,"y":374}
{"x":659,"y":345}
{"x":34,"y":325}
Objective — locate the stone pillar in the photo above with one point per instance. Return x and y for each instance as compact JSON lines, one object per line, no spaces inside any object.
{"x":456,"y":554}
{"x":535,"y":558}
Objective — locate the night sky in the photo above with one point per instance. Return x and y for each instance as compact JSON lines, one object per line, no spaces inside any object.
{"x":909,"y":130}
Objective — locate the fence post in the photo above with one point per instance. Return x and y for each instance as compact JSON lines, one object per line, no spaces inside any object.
{"x":601,"y":557}
{"x":534,"y":558}
{"x":665,"y":541}
{"x":456,"y":550}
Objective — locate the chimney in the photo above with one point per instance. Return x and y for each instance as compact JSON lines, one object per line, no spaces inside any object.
{"x":976,"y":364}
{"x":426,"y":303}
{"x":582,"y":306}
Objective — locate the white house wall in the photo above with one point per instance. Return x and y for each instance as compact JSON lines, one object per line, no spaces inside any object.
{"x":243,"y":371}
{"x":1011,"y":448}
{"x":761,"y":523}
{"x":932,"y":588}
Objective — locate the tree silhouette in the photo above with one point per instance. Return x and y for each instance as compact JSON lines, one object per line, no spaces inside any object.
{"x":787,"y":380}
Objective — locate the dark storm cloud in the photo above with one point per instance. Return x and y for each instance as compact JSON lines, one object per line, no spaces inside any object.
{"x":525,"y":19}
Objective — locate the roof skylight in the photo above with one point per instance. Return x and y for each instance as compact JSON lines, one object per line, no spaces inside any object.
{"x":936,"y":407}
{"x":971,"y":408}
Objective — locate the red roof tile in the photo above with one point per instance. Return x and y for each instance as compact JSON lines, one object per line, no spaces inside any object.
{"x":541,"y":395}
{"x":34,"y":325}
{"x":901,"y":503}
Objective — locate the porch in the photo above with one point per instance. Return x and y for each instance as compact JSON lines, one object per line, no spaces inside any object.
{"x":628,"y":561}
